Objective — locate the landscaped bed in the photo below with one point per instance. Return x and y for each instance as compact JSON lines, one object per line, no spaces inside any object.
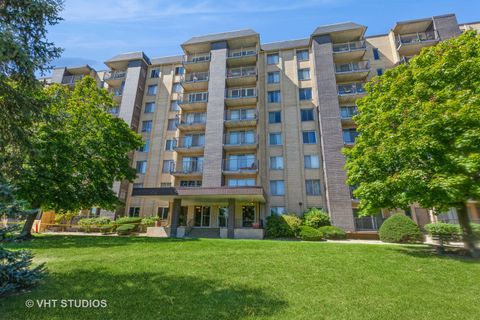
{"x":147,"y":278}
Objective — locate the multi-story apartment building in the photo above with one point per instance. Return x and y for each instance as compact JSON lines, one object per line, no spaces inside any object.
{"x":236,"y":130}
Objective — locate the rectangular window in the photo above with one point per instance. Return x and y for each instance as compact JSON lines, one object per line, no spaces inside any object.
{"x":165,"y":184}
{"x":307,"y":115}
{"x":179,"y":71}
{"x":147,"y":126}
{"x":137,"y":185}
{"x":304,"y":74}
{"x":248,"y":216}
{"x":313,"y":187}
{"x":241,"y":182}
{"x":141,"y":166}
{"x":276,"y":163}
{"x":174,"y":106}
{"x":155,"y":73}
{"x":167,"y":166}
{"x":379,"y":71}
{"x":277,"y":211}
{"x":162,"y":213}
{"x":273,"y":77}
{"x":272,"y":58}
{"x":376,"y":54}
{"x":305,"y":94}
{"x":349,"y":136}
{"x":152,"y":90}
{"x":170,"y":145}
{"x":277,"y":187}
{"x":177,"y":88}
{"x":347,"y":112}
{"x":274,"y":96}
{"x":191,"y":183}
{"x":149,"y":107}
{"x":145,"y":147}
{"x":309,"y":137}
{"x":311,"y":161}
{"x":172,"y":125}
{"x":275,"y":138}
{"x":275,"y":117}
{"x":134,"y":212}
{"x":302,"y":55}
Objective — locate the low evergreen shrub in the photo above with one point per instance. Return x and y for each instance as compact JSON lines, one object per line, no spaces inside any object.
{"x":308,"y":233}
{"x":283,"y":226}
{"x":316,"y":218}
{"x":400,"y":229}
{"x":126,"y":229}
{"x":332,"y":232}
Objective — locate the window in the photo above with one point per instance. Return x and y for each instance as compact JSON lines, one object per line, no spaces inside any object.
{"x":152,"y":90}
{"x":165,"y":184}
{"x":348,"y":112}
{"x":241,"y":182}
{"x":141,"y":166}
{"x":222,"y":217}
{"x":273,"y":77}
{"x":238,"y":162}
{"x":170,"y":145}
{"x":349,"y":135}
{"x":312,"y":187}
{"x":276,"y":163}
{"x":275,"y":138}
{"x":155,"y":73}
{"x":114,"y":110}
{"x":307,"y":115}
{"x":172,"y":124}
{"x":134,"y":212}
{"x":137,"y":185}
{"x":311,"y":162}
{"x":147,"y":126}
{"x":174,"y":106}
{"x":274,"y":96}
{"x":304,"y":74}
{"x":379,"y":71}
{"x":167,"y":166}
{"x":248,"y":216}
{"x":277,"y":187}
{"x":162,"y":213}
{"x":274,"y":117}
{"x":179,"y":71}
{"x":376,"y":54}
{"x":149,"y":107}
{"x":305,"y":94}
{"x":302,"y":55}
{"x":277,"y":211}
{"x":272,"y":58}
{"x":145,"y":147}
{"x":309,"y":137}
{"x":177,"y":87}
{"x":191,"y":183}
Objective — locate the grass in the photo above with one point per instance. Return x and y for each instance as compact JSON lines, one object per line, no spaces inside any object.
{"x":147,"y":278}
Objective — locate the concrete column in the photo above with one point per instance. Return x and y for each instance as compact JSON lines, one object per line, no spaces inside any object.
{"x":337,"y":193}
{"x":212,"y":165}
{"x":57,"y":75}
{"x":176,"y":209}
{"x":132,"y":95}
{"x":446,"y":26}
{"x":231,"y":218}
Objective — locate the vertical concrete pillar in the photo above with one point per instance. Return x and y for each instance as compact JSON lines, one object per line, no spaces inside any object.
{"x":337,"y":193}
{"x":176,"y":209}
{"x":132,"y":95}
{"x":212,"y":165}
{"x":231,"y":218}
{"x":446,"y":26}
{"x":57,"y":74}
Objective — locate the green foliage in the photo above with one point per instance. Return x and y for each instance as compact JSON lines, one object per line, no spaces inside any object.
{"x":149,"y":221}
{"x":400,"y":229}
{"x":94,"y":222}
{"x":283,"y":226}
{"x":128,"y":220}
{"x":16,"y":272}
{"x":476,"y":230}
{"x":107,"y":228}
{"x":419,"y":131}
{"x":125,"y":229}
{"x":308,"y":233}
{"x":332,"y":232}
{"x":316,"y":218}
{"x":441,"y":229}
{"x":65,"y":217}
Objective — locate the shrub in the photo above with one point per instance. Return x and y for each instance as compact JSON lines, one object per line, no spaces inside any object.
{"x":125,"y":229}
{"x":476,"y":230}
{"x":332,"y":232}
{"x":443,"y":230}
{"x":89,"y":223}
{"x":150,"y":221}
{"x":283,"y":226}
{"x":128,"y":220}
{"x":106,"y":228}
{"x":316,"y":218}
{"x":310,"y":234}
{"x":400,"y":229}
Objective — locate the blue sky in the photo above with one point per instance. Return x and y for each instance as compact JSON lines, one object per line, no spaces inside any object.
{"x":94,"y":31}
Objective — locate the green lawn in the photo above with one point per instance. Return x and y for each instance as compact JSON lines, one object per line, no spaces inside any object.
{"x":147,"y":278}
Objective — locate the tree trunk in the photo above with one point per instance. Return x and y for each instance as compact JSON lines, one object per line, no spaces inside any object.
{"x":27,"y":227}
{"x":467,"y":234}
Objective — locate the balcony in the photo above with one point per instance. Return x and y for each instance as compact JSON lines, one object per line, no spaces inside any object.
{"x":242,"y":76}
{"x":349,"y":92}
{"x":238,"y":118}
{"x":71,"y":80}
{"x":196,"y":62}
{"x":246,"y":165}
{"x":352,"y":71}
{"x":242,"y":56}
{"x":192,"y":121}
{"x":195,"y":81}
{"x":240,"y":97}
{"x":187,"y":168}
{"x":190,"y":144}
{"x":240,"y":141}
{"x":411,"y":43}
{"x":117,"y":94}
{"x":349,"y":51}
{"x":193,"y":101}
{"x":347,"y":113}
{"x":114,"y":78}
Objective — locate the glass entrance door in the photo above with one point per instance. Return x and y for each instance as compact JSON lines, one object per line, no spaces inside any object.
{"x":201,"y":216}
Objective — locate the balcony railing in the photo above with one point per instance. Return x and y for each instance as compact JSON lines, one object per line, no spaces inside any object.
{"x":241,"y":115}
{"x":239,"y":139}
{"x":187,"y":167}
{"x":416,"y":37}
{"x":190,"y":141}
{"x":117,"y":92}
{"x":371,"y":223}
{"x":192,"y":118}
{"x":244,"y":164}
{"x":243,"y":52}
{"x":196,"y":77}
{"x":197,"y":58}
{"x":349,"y":46}
{"x":193,"y":98}
{"x":351,"y":88}
{"x":71,"y":79}
{"x":111,"y":75}
{"x":348,"y":112}
{"x":405,"y":59}
{"x":241,"y":72}
{"x":239,"y":93}
{"x":352,"y":67}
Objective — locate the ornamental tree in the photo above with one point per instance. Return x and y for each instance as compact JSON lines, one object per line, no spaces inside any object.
{"x":419,"y":131}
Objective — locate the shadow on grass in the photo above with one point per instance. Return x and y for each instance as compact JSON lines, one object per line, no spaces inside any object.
{"x":429,"y":252}
{"x":144,"y":295}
